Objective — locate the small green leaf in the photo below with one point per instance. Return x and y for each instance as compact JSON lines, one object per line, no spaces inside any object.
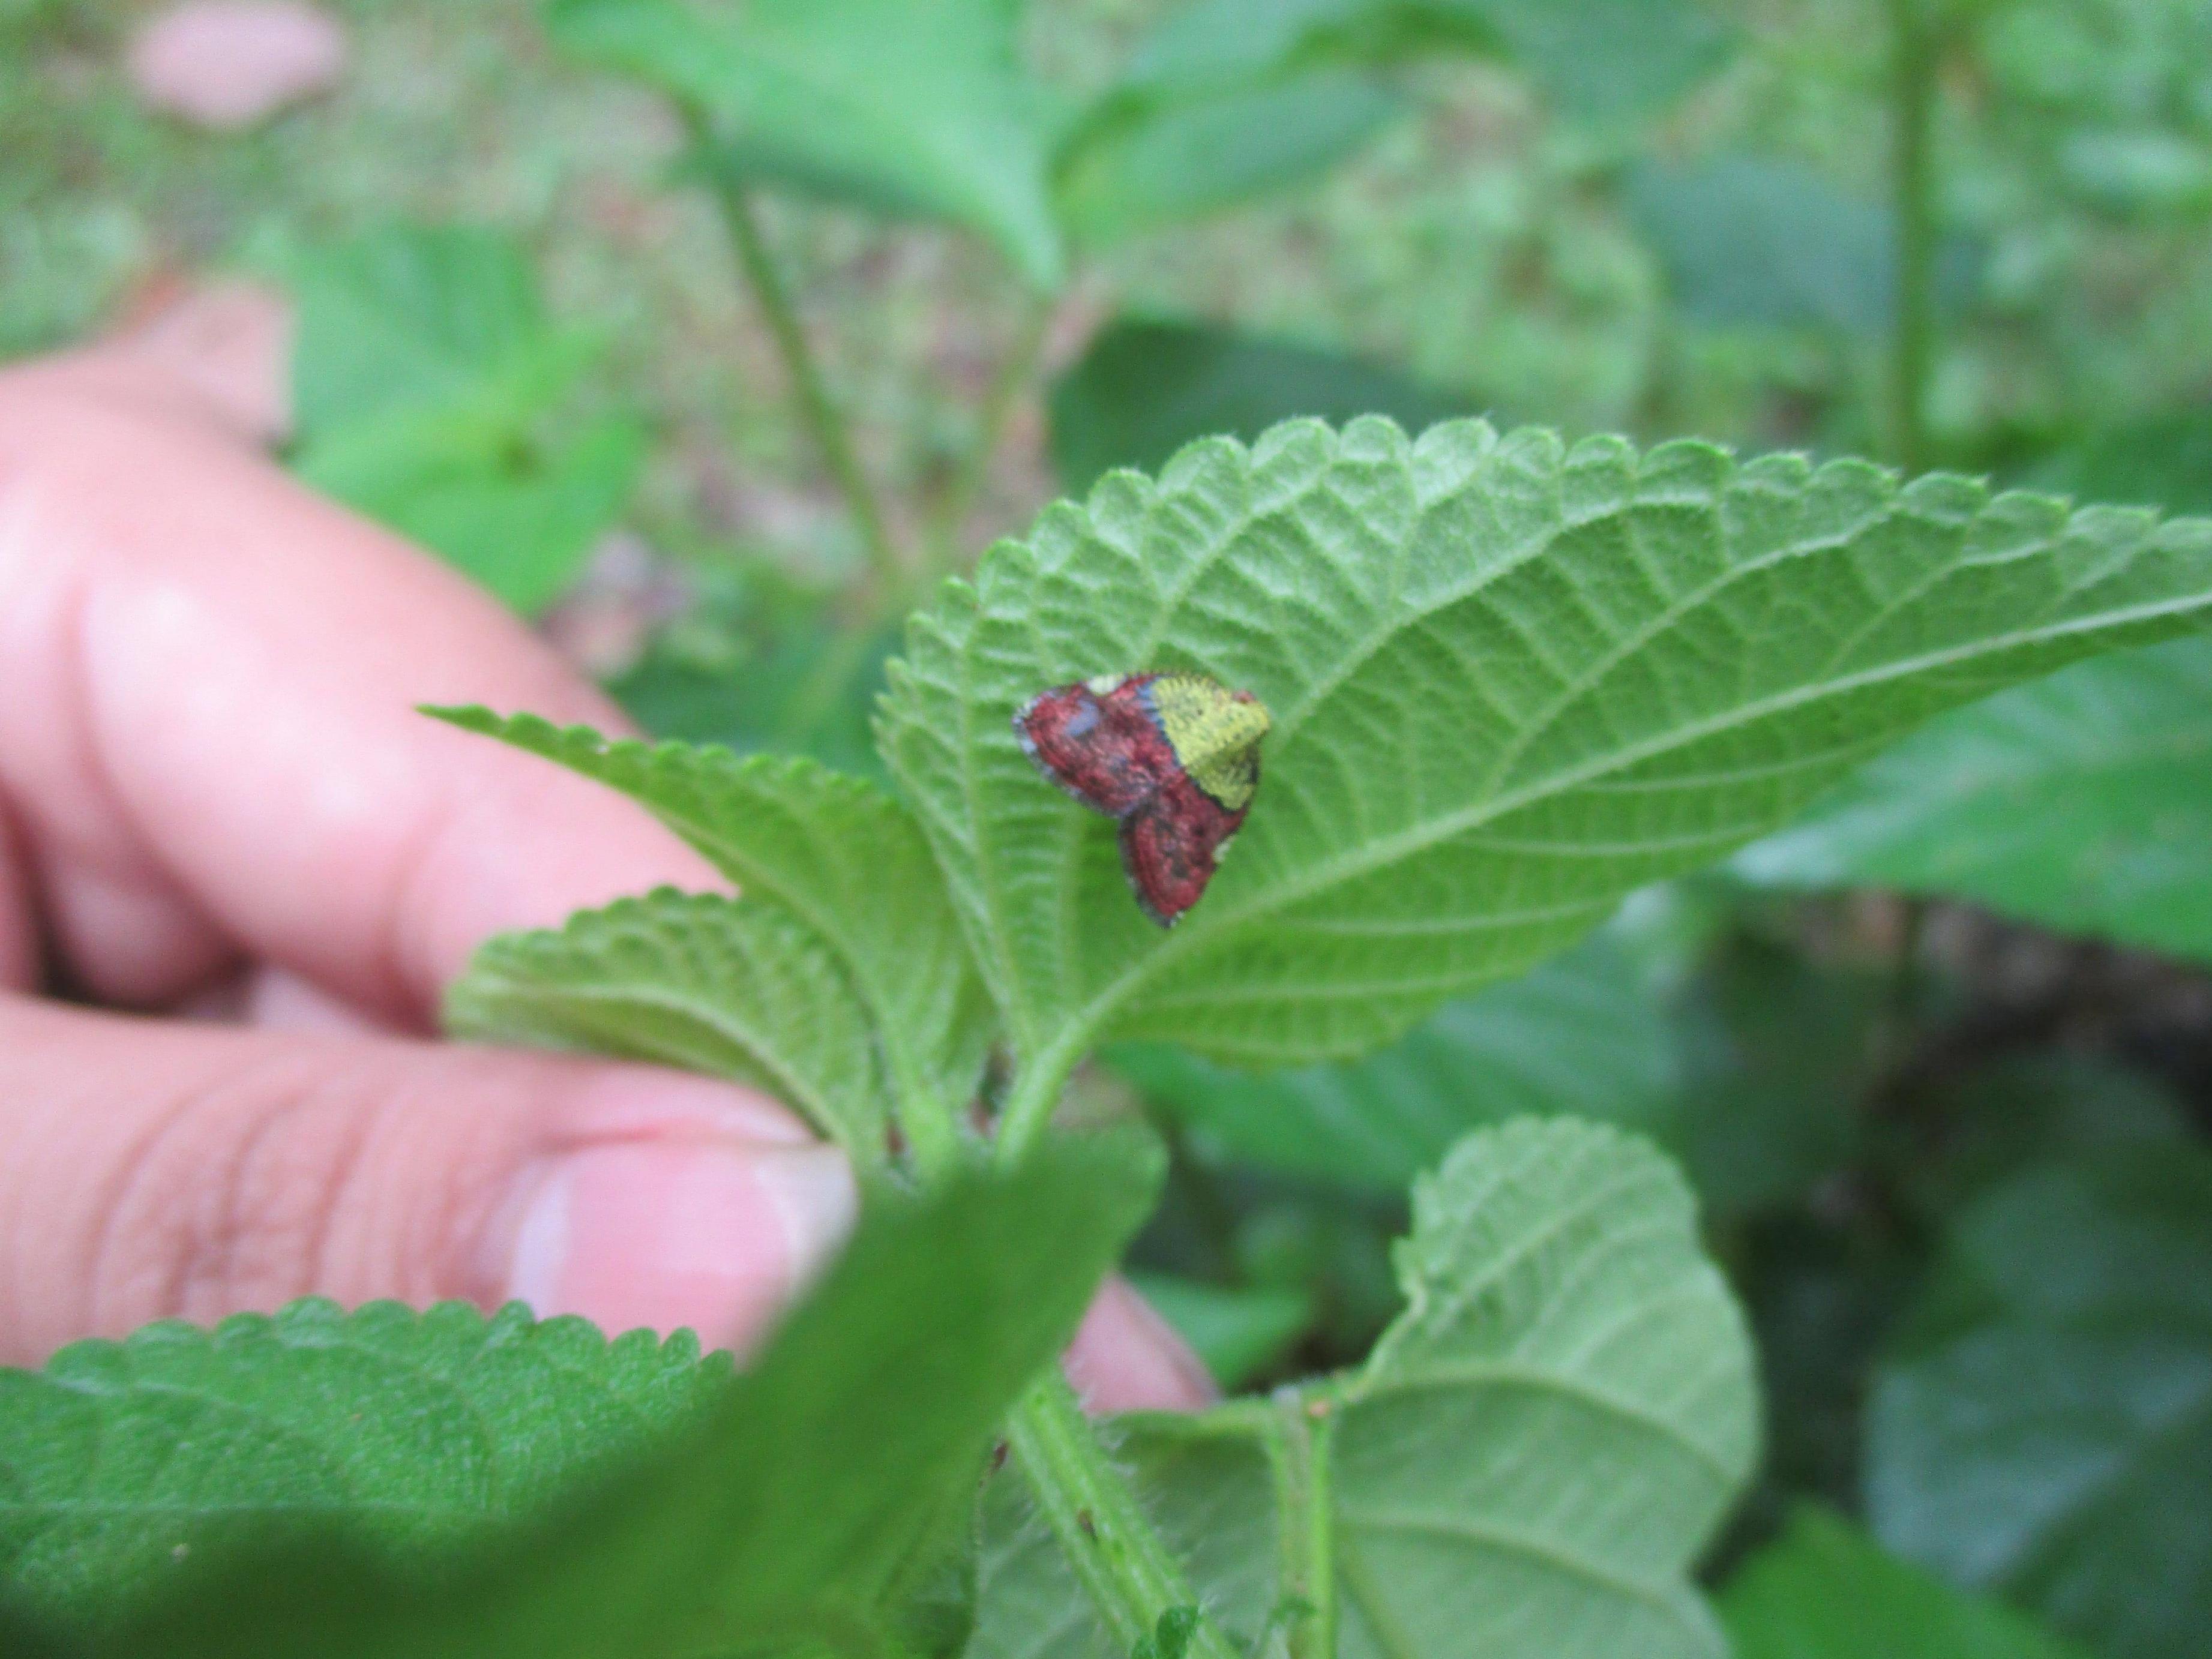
{"x":785,"y":1515}
{"x":736,"y":987}
{"x":1146,"y":388}
{"x":426,"y":375}
{"x":1511,"y":682}
{"x":1826,"y":1590}
{"x":1582,"y":1037}
{"x":120,"y":1461}
{"x":842,"y":856}
{"x":2046,"y":1431}
{"x":1142,"y":160}
{"x":2083,"y":802}
{"x":913,"y":110}
{"x":1526,"y":1468}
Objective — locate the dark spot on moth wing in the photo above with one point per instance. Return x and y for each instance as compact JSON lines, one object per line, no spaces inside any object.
{"x":1103,"y":750}
{"x":1171,"y":846}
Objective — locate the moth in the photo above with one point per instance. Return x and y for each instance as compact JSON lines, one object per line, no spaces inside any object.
{"x":1173,"y":757}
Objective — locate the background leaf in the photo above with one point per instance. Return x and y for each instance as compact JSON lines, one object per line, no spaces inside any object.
{"x":1511,"y":682}
{"x":2083,"y":802}
{"x":843,"y":857}
{"x":902,"y":108}
{"x":427,"y":380}
{"x":2046,"y":1429}
{"x":1237,"y":1333}
{"x":1145,"y":388}
{"x":787,"y":1510}
{"x":1747,"y":241}
{"x":1142,"y":162}
{"x":739,"y":988}
{"x":1584,"y":1036}
{"x":1825,"y":1590}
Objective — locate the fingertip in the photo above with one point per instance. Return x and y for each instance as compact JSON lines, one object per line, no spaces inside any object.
{"x":1126,"y":1358}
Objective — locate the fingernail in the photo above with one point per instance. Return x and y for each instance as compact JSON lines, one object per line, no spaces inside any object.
{"x":714,"y":1236}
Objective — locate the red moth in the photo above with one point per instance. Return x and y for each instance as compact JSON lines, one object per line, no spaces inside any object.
{"x":1173,"y":758}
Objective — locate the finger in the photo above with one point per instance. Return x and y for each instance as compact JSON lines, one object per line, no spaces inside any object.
{"x":157,"y":1169}
{"x":1126,"y":1358}
{"x":208,"y":734}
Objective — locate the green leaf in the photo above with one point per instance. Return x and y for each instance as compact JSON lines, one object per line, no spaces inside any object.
{"x":426,"y":376}
{"x":786,"y":1516}
{"x":1825,"y":1590}
{"x":407,"y":317}
{"x":120,"y":1461}
{"x":1239,"y":1333}
{"x":1525,"y":1469}
{"x":841,"y":856}
{"x":1600,"y":61}
{"x":1584,"y":1037}
{"x":1744,"y":241}
{"x":737,"y":987}
{"x":2083,"y":802}
{"x":1510,"y":681}
{"x":2163,"y":459}
{"x":1146,"y":388}
{"x":913,"y":110}
{"x":2046,"y":1432}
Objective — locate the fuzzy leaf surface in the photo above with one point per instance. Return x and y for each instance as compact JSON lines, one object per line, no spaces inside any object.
{"x":842,"y":856}
{"x":913,"y":110}
{"x":1826,"y":1590}
{"x":119,"y":1460}
{"x":2045,"y":1430}
{"x":1510,"y":681}
{"x":2083,"y":802}
{"x":737,"y":987}
{"x":1527,"y":1465}
{"x":785,"y":1514}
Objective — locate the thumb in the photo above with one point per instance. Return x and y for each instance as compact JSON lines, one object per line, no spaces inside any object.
{"x":155,"y":1169}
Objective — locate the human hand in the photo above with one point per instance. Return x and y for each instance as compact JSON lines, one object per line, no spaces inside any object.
{"x":215,"y":794}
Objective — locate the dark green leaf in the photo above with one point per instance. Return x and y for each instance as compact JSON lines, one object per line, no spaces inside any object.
{"x":790,"y":1511}
{"x":1744,"y":241}
{"x":1145,"y":389}
{"x":1825,"y":1590}
{"x":121,"y":1460}
{"x":2047,"y":1431}
{"x":904,"y":108}
{"x":1585,"y":1035}
{"x":2083,"y":802}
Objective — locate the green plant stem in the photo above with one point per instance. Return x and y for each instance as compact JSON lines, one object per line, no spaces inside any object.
{"x":1034,"y":1096}
{"x":1128,"y":1572}
{"x":1016,"y":372}
{"x":1313,"y":1635}
{"x":831,"y":433}
{"x":1914,"y":48}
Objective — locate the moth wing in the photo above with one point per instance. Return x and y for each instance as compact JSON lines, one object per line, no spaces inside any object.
{"x":1170,"y":846}
{"x":1102,"y":753}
